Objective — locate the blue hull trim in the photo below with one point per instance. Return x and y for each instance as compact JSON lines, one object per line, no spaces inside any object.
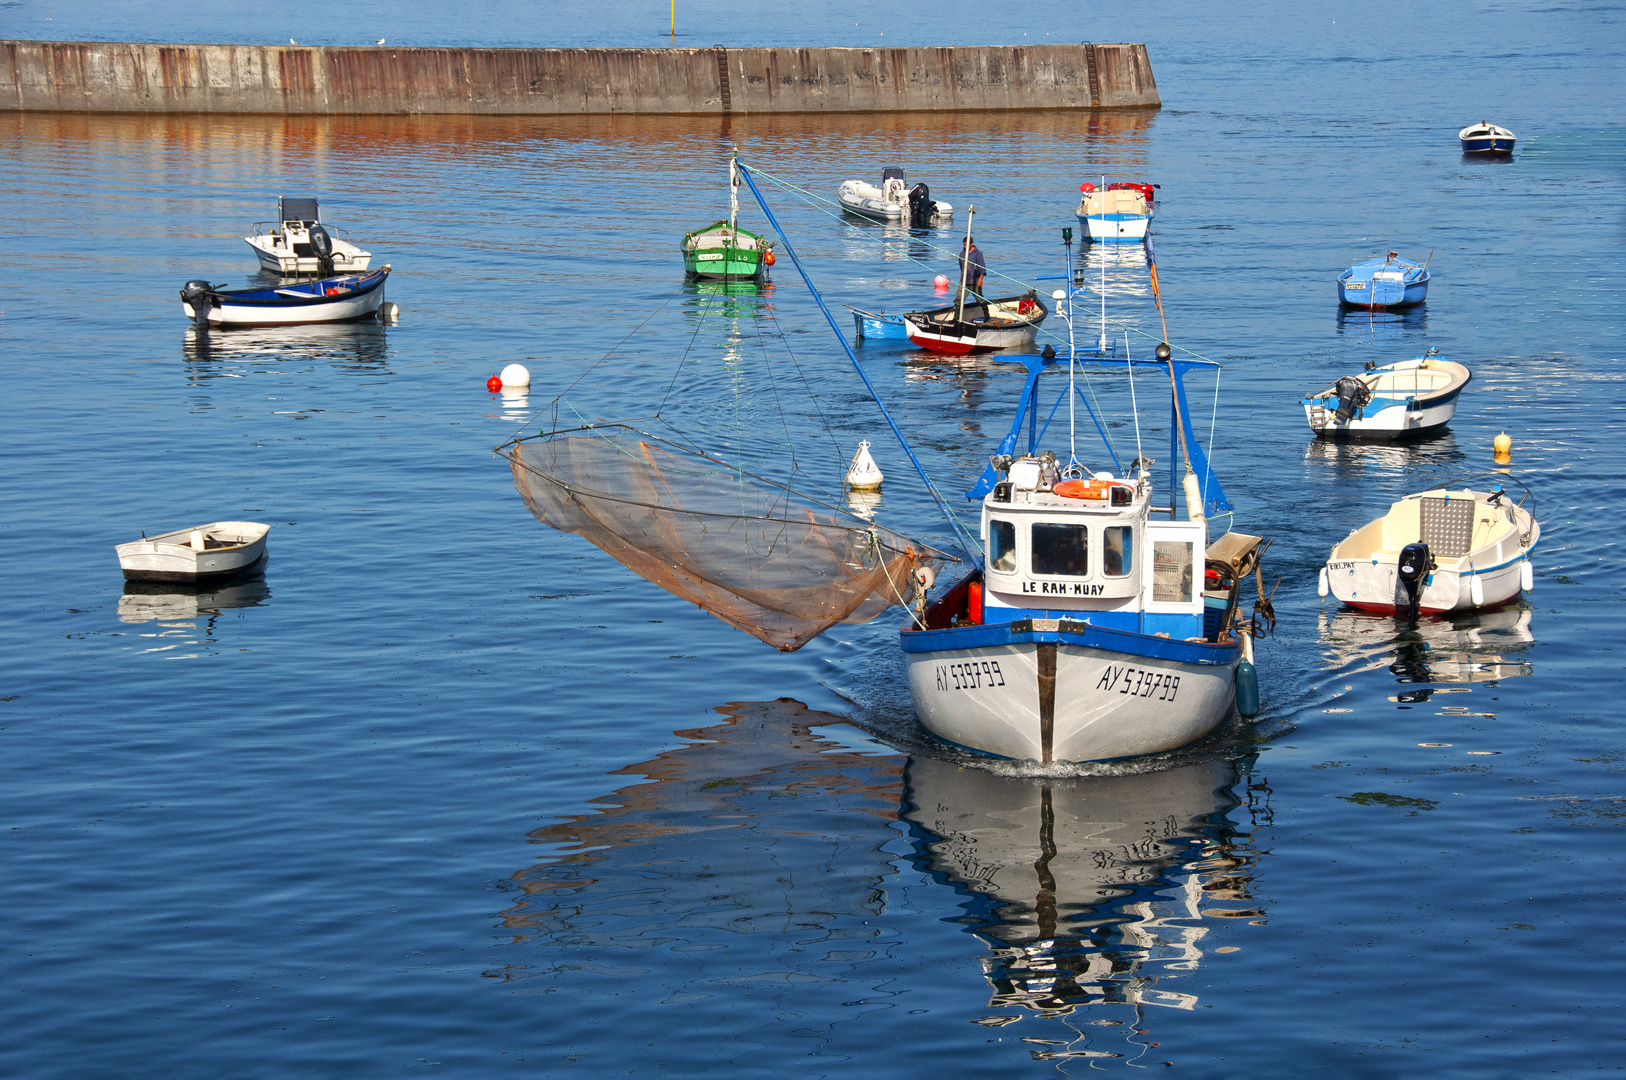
{"x":880,"y":327}
{"x":1080,"y":634}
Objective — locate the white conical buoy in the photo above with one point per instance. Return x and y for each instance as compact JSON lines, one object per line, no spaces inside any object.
{"x":515,"y":376}
{"x":863,"y":474}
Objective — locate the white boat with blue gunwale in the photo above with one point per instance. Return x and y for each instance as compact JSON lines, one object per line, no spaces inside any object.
{"x":325,"y":300}
{"x":1397,"y":401}
{"x":1390,"y":282}
{"x":1445,"y":549}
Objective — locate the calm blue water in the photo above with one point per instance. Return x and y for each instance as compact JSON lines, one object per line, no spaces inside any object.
{"x":449,"y":792}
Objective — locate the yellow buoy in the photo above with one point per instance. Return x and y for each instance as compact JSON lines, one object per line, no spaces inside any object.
{"x":1503,"y":445}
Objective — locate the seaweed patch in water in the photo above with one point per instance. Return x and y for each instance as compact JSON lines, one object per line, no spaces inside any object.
{"x":1380,"y":798}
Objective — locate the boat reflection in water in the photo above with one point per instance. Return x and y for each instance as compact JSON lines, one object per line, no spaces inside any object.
{"x":1087,"y":890}
{"x":149,"y":601}
{"x":361,"y":346}
{"x":1466,"y":647}
{"x":1383,"y":325}
{"x":765,"y":856}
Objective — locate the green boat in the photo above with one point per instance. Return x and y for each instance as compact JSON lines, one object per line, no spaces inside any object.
{"x":722,"y":251}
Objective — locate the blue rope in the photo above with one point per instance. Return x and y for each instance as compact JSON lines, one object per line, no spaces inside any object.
{"x":959,"y":530}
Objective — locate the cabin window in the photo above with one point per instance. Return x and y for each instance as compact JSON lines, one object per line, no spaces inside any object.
{"x":1118,"y":550}
{"x":1171,"y":571}
{"x":1061,"y":550}
{"x":1002,"y":546}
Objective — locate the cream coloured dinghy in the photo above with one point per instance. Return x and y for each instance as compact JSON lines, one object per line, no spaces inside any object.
{"x":1446,"y":549}
{"x":214,"y":552}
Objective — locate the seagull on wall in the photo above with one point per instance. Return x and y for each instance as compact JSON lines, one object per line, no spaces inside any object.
{"x":381,"y":41}
{"x":291,"y":41}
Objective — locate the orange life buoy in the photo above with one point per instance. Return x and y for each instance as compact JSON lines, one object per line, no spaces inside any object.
{"x":1081,"y":489}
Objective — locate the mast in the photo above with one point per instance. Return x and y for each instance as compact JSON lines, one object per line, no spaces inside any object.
{"x":965,"y":265}
{"x":733,"y":191}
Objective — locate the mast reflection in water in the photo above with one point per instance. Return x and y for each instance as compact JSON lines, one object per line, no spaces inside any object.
{"x":766,"y":856}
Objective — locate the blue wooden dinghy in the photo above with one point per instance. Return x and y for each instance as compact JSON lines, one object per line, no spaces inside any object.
{"x":325,"y":300}
{"x":1390,"y":282}
{"x":879,"y":326}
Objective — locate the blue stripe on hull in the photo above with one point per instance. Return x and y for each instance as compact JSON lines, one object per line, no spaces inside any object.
{"x":1081,"y":634}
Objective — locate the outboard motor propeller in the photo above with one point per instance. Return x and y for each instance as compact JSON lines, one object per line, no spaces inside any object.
{"x":1352,"y":394}
{"x":1415,"y":564}
{"x":199,"y":296}
{"x":921,"y":206}
{"x":322,"y":245}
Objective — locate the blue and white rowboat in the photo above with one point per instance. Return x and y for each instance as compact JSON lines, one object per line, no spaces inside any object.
{"x":1486,"y":138}
{"x":1396,"y":401}
{"x":325,"y":300}
{"x":1391,"y":282}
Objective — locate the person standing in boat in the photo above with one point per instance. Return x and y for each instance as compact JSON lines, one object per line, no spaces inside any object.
{"x":973,"y":267}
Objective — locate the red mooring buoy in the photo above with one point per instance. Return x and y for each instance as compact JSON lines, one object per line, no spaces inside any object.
{"x":494,"y":383}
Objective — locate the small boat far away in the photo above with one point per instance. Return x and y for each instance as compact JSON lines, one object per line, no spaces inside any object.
{"x":722,"y":251}
{"x":1390,"y":282}
{"x":326,"y":300}
{"x":1445,"y":549}
{"x":1486,"y":138}
{"x":894,"y":200}
{"x":1118,"y":213}
{"x":1396,"y":401}
{"x":215,"y":552}
{"x":290,"y":244}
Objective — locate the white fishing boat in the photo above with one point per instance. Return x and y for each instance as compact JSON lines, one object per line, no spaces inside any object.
{"x":1116,"y":213}
{"x":1445,"y":549}
{"x":202,"y":553}
{"x":1397,"y":401}
{"x":893,"y":200}
{"x":291,"y":244}
{"x":1085,"y":631}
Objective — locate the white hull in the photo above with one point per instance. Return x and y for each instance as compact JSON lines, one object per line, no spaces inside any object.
{"x":1109,"y":230}
{"x":290,"y":264}
{"x":1375,"y":586}
{"x":867,"y":200}
{"x":344,"y":308}
{"x":1390,"y":423}
{"x":1107,"y":704}
{"x":228,"y":548}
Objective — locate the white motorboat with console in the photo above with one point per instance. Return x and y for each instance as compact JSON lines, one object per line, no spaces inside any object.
{"x":1444,"y":549}
{"x":1396,"y":401}
{"x":214,"y":552}
{"x":289,"y":246}
{"x":894,"y":200}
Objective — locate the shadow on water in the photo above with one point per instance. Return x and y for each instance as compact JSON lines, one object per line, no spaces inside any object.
{"x":768,"y":846}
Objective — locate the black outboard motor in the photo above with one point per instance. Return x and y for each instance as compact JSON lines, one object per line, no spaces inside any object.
{"x":199,"y":296}
{"x":921,"y":206}
{"x":322,"y":245}
{"x":1415,"y":564}
{"x":1352,"y":394}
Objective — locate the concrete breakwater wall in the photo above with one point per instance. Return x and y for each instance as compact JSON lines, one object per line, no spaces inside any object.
{"x":77,"y":76}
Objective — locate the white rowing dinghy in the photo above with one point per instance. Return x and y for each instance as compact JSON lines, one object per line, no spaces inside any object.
{"x":217,"y":551}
